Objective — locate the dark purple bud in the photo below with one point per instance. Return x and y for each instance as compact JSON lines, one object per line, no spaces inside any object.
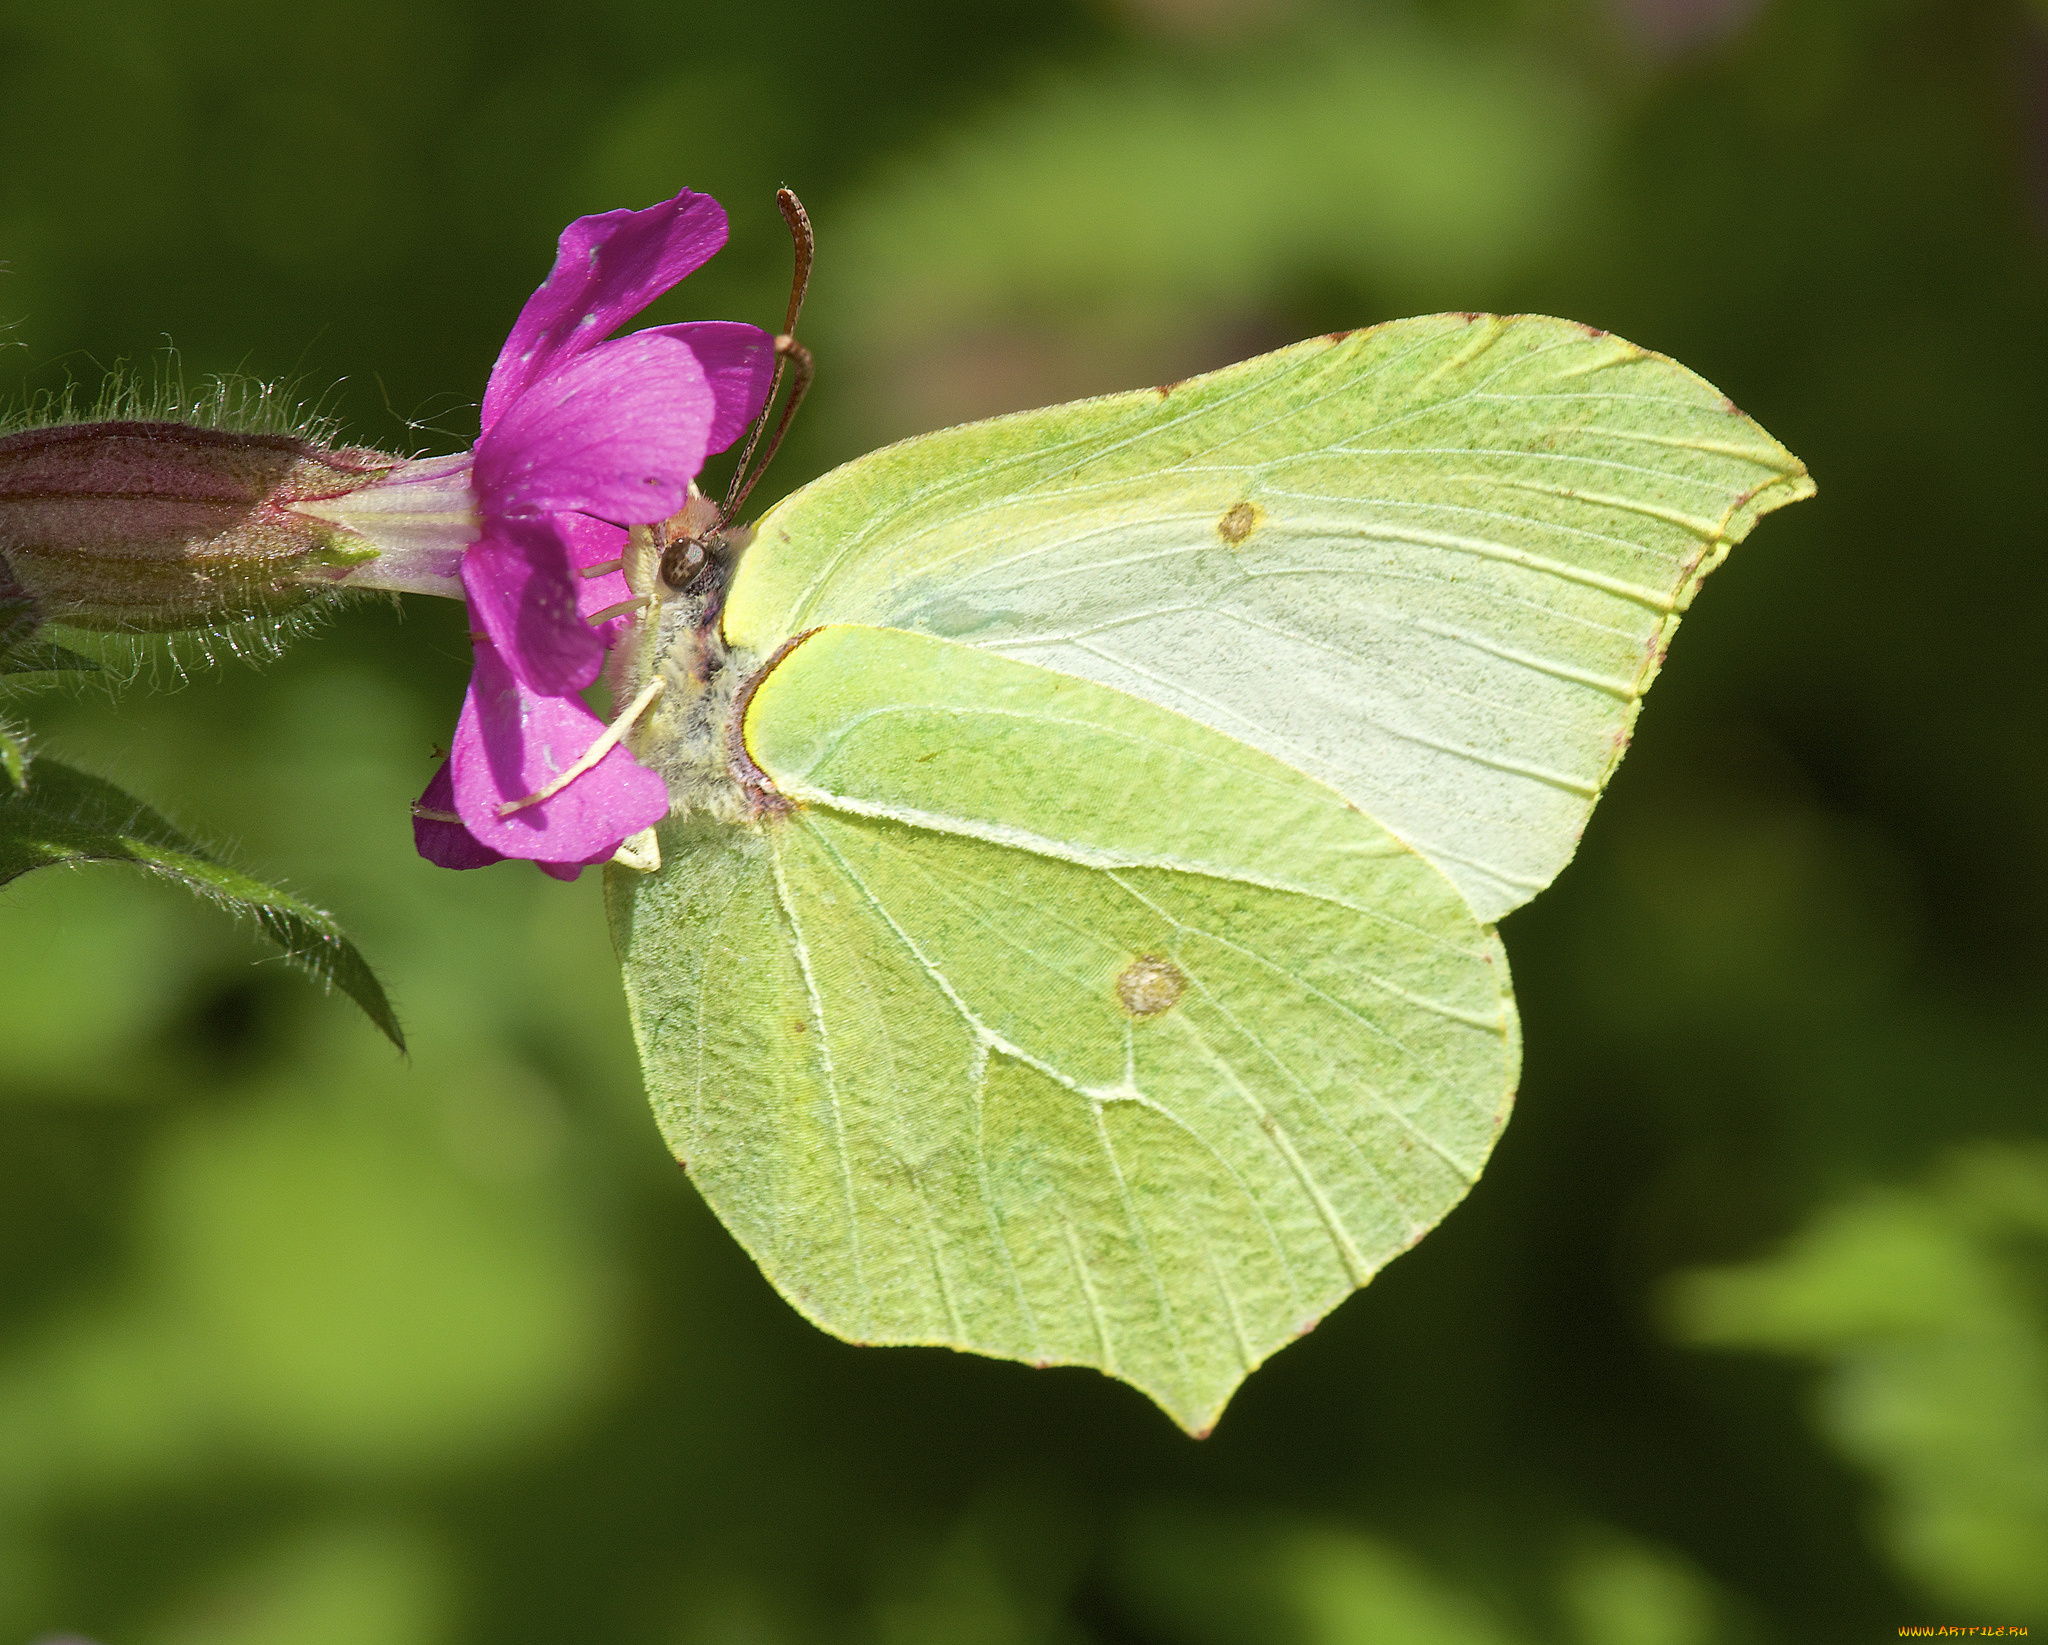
{"x":155,"y":527}
{"x":18,"y":616}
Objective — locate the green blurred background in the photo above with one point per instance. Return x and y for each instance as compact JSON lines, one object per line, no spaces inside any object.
{"x":1743,"y":1336}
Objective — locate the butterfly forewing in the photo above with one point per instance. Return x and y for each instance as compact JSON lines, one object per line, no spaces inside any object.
{"x":1433,"y":565}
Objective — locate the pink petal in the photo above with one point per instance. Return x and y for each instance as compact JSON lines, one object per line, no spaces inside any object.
{"x":595,"y":542}
{"x":448,"y":844}
{"x":738,"y":360}
{"x":619,"y":432}
{"x":602,"y":594}
{"x":569,"y":870}
{"x":524,"y":596}
{"x":607,"y":269}
{"x":590,"y":542}
{"x":510,"y":742}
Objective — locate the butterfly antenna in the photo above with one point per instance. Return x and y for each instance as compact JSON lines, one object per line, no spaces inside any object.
{"x":791,"y":359}
{"x":806,"y":246}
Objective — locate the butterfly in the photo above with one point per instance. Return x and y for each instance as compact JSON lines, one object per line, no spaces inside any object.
{"x":1074,"y":941}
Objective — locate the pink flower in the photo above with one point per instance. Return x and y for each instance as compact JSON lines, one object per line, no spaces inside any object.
{"x":581,"y":438}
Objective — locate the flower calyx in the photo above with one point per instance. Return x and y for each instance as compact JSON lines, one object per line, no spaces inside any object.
{"x":162,"y":527}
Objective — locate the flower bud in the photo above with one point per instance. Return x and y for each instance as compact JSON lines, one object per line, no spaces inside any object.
{"x":155,"y":527}
{"x":17,"y":612}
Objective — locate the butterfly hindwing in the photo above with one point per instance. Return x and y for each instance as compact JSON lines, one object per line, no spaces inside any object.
{"x":1050,"y":1024}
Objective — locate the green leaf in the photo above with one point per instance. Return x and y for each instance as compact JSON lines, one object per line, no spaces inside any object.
{"x":13,"y":756}
{"x":1435,"y":565}
{"x":18,"y":619}
{"x":1335,"y":147}
{"x":41,"y":657}
{"x":51,"y":814}
{"x":1074,"y":942}
{"x":1053,"y":1025}
{"x":1924,"y":1304}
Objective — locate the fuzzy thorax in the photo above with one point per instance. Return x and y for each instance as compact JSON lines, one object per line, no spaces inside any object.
{"x":687,"y":736}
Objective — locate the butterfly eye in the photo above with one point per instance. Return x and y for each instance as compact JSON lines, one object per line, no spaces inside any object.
{"x":682,"y":562}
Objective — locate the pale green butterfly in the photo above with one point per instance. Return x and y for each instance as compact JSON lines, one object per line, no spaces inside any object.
{"x":1074,"y":939}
